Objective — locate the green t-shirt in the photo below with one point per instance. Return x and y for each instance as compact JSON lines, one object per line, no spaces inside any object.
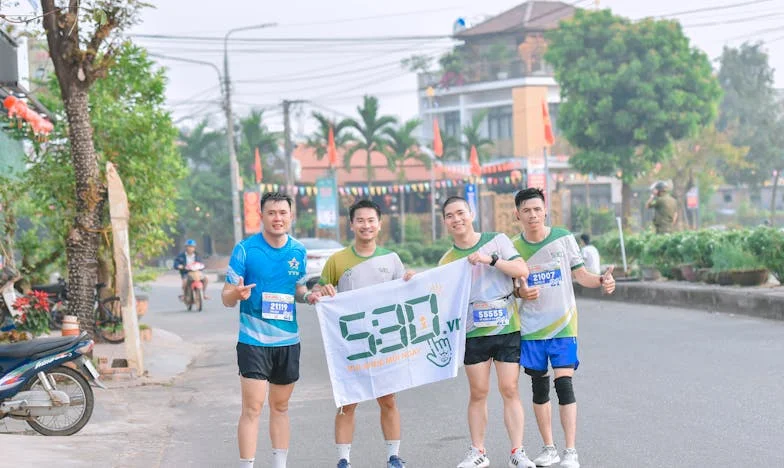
{"x":347,"y":270}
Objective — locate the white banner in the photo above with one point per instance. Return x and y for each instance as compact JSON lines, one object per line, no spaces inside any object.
{"x":397,"y":335}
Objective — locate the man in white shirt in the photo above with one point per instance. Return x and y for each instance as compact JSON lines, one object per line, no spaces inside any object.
{"x":590,"y":254}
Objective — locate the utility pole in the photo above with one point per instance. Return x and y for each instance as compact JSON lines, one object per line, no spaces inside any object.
{"x":288,"y":145}
{"x":233,"y":164}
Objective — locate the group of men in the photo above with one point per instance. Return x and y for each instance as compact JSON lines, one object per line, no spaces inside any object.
{"x":527,"y":283}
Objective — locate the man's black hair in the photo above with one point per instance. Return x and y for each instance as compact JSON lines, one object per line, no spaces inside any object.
{"x":275,"y":197}
{"x":364,"y":203}
{"x":528,"y":194}
{"x":586,"y":238}
{"x":451,"y":200}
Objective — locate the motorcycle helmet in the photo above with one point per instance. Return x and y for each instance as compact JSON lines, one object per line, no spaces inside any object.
{"x":190,"y":243}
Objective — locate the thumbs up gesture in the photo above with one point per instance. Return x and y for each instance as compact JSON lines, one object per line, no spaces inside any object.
{"x":607,"y":281}
{"x":243,"y":290}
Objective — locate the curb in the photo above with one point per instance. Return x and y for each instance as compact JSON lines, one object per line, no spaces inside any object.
{"x":767,"y":303}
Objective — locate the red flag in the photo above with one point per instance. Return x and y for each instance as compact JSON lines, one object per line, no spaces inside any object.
{"x":476,"y":169}
{"x":332,"y":152}
{"x":258,"y":167}
{"x":549,"y":139}
{"x":438,"y":145}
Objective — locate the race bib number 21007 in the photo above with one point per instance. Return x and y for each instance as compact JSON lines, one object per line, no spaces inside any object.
{"x":548,"y":278}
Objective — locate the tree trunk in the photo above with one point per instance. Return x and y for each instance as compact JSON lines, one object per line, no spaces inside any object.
{"x":773,"y":198}
{"x":626,"y":204}
{"x":369,"y":162}
{"x":83,"y":236}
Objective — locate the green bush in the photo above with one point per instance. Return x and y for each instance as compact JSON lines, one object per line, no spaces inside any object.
{"x":729,"y":256}
{"x":405,"y":256}
{"x":767,"y":244}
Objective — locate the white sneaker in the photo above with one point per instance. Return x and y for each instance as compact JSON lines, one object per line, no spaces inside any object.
{"x":570,"y":459}
{"x":520,"y":460}
{"x":548,"y":457}
{"x":474,"y":459}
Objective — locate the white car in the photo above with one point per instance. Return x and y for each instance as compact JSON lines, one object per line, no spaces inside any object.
{"x":319,"y":250}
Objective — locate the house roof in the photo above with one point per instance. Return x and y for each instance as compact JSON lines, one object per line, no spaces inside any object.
{"x":313,"y":169}
{"x":534,"y":15}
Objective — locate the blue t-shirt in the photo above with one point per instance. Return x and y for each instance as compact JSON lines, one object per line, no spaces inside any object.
{"x":268,"y":317}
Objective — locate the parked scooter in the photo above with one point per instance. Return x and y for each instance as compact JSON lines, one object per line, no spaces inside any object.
{"x":36,"y":386}
{"x":194,"y":286}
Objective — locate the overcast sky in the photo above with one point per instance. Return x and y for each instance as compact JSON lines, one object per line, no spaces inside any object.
{"x":336,"y":76}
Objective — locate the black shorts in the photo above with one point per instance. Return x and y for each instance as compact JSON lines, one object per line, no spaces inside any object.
{"x":278,"y":365}
{"x":501,"y":348}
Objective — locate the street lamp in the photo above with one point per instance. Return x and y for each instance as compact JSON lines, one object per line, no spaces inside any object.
{"x":234,"y":165}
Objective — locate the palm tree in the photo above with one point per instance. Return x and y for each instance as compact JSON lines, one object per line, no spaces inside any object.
{"x":402,"y":145}
{"x":318,"y":141}
{"x":473,"y":137}
{"x":370,"y":128}
{"x":254,"y":133}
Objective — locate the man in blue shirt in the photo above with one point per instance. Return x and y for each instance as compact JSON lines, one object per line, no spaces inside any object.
{"x":265,"y":276}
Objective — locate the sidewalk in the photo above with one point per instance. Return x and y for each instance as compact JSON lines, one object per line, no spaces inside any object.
{"x":760,"y":301}
{"x":166,"y":356}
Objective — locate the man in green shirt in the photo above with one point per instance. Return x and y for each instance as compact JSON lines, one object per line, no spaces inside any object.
{"x":364,"y":264}
{"x":665,"y":209}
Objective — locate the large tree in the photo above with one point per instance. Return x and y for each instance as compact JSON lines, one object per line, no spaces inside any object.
{"x":751,"y":111}
{"x":370,"y":134}
{"x":629,"y":89}
{"x":404,"y":146}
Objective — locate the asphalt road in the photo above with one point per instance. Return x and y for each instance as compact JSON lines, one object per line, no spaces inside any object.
{"x":656,"y":386}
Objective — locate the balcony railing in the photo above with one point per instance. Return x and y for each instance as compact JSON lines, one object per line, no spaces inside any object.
{"x":483,"y":72}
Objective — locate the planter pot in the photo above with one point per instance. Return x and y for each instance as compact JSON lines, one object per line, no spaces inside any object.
{"x":689,"y":273}
{"x":650,"y":273}
{"x":743,"y":277}
{"x":146,"y":334}
{"x":675,"y":273}
{"x":142,"y":302}
{"x":704,"y":274}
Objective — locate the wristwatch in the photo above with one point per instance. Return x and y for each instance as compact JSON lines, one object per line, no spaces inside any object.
{"x":494,"y":258}
{"x":601,"y":280}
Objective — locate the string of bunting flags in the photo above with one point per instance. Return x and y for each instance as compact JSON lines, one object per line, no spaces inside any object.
{"x":383,"y":189}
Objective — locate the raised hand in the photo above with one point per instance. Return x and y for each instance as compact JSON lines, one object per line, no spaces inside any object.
{"x":243,"y":290}
{"x":608,"y":282}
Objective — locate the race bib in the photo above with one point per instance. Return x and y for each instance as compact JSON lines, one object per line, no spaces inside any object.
{"x":548,"y":276}
{"x":490,"y":314}
{"x":276,"y":306}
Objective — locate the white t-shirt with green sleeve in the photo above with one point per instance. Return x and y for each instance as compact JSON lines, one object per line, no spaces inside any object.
{"x":551,"y":262}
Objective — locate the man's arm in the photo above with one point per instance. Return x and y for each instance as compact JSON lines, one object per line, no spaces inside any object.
{"x":675,"y":218}
{"x":591,"y":280}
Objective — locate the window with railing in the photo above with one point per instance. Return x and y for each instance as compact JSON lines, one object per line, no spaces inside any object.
{"x":452,"y":123}
{"x":499,"y":123}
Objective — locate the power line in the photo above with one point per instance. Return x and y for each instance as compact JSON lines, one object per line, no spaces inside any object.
{"x":383,"y":16}
{"x":714,"y":8}
{"x":320,"y":40}
{"x":736,"y":20}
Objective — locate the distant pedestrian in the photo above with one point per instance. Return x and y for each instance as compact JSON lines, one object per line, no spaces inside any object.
{"x":590,"y":254}
{"x":665,"y":208}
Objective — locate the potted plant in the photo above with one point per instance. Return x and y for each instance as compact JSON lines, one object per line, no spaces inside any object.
{"x":452,"y":69}
{"x":145,"y":332}
{"x":733,"y":264}
{"x":34,"y":317}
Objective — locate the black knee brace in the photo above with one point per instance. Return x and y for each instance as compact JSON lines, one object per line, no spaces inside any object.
{"x":540,"y":384}
{"x":563,"y":388}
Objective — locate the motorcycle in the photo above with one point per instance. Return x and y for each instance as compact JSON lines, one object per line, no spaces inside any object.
{"x":39,"y":383}
{"x":194,"y":286}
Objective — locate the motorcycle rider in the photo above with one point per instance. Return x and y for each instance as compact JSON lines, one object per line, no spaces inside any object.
{"x":183,"y":260}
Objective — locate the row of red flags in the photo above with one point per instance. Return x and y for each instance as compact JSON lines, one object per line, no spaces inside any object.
{"x":438,"y":146}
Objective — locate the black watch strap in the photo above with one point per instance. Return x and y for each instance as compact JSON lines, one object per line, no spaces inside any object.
{"x":494,"y":259}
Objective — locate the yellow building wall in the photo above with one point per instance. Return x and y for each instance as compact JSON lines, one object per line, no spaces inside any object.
{"x":527,"y":121}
